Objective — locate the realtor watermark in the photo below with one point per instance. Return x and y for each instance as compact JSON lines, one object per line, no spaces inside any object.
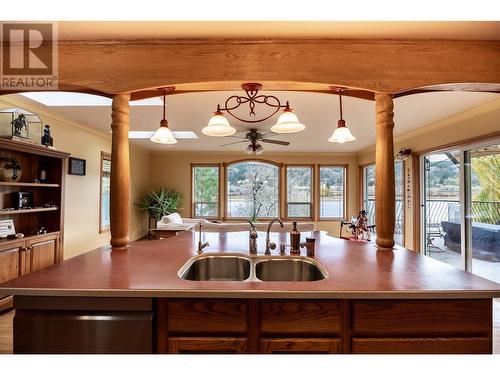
{"x":28,"y":58}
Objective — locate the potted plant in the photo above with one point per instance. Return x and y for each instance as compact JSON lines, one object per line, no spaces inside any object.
{"x":162,"y":202}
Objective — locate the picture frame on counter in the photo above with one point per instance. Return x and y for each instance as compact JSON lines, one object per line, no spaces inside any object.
{"x":7,"y":228}
{"x":77,"y":166}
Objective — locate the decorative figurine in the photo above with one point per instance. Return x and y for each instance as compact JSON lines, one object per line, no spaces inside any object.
{"x":359,"y":226}
{"x":19,"y":123}
{"x":47,"y":139}
{"x":41,"y":230}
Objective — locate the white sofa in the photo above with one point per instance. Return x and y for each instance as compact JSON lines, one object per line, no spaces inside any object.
{"x":176,"y":222}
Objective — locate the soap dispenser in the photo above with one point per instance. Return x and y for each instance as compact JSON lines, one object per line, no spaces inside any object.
{"x":295,"y":240}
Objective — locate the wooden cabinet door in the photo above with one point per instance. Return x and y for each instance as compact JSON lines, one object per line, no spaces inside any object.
{"x":9,"y":264}
{"x":300,"y":346}
{"x":207,"y":345}
{"x":432,"y":345}
{"x":42,"y":253}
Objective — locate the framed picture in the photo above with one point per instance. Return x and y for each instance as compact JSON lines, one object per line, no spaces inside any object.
{"x":7,"y":228}
{"x":77,"y":166}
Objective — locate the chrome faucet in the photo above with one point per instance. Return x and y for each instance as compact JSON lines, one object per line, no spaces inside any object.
{"x":201,"y":245}
{"x":271,"y":245}
{"x":252,"y":239}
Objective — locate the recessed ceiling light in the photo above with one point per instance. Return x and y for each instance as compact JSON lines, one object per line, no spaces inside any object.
{"x":74,"y":99}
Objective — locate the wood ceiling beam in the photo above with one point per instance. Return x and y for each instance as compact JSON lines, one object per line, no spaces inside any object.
{"x":389,"y":66}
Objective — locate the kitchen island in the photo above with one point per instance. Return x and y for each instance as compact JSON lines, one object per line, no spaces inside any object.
{"x":134,"y":301}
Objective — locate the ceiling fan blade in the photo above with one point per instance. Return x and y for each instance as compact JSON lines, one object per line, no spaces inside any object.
{"x":269,"y":134}
{"x":233,"y":143}
{"x":282,"y":143}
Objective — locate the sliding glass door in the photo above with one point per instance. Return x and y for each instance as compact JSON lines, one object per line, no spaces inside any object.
{"x":442,"y":232}
{"x":460,"y":210}
{"x":482,"y":211}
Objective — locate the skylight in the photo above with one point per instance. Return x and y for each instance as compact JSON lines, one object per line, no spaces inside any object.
{"x":148,"y":134}
{"x":74,"y":99}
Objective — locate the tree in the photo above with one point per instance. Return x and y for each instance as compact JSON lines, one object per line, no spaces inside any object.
{"x":252,"y":188}
{"x":487,"y":170}
{"x":206,"y":189}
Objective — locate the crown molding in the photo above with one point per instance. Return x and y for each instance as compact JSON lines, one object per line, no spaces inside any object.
{"x":240,"y":153}
{"x":447,"y":121}
{"x":19,"y":101}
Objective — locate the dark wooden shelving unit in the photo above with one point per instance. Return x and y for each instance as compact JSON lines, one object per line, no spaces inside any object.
{"x":33,"y":252}
{"x":28,"y":184}
{"x":28,"y":211}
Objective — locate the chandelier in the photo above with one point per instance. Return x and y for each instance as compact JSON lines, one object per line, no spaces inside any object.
{"x":219,"y":126}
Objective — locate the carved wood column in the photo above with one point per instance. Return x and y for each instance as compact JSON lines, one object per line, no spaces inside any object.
{"x":120,"y":172}
{"x":385,"y":196}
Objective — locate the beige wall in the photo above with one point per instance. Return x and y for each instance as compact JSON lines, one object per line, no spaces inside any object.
{"x":475,"y":124}
{"x":173,"y":169}
{"x":81,"y":219}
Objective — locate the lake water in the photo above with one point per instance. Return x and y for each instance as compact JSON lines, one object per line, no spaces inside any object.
{"x":327,"y":209}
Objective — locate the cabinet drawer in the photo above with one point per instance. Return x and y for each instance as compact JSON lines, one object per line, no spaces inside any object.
{"x":207,"y":345}
{"x":292,"y":318}
{"x":300,"y":346}
{"x":456,"y":345}
{"x":438,"y":318}
{"x":206,"y":317}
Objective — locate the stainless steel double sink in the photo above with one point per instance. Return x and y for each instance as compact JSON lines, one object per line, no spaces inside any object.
{"x":240,"y":267}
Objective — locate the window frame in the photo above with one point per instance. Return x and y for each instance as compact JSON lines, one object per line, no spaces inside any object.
{"x":362,"y":189}
{"x":312,"y":203}
{"x":363,"y":192}
{"x":226,"y":186}
{"x":193,"y":202}
{"x":344,"y":191}
{"x":104,"y":156}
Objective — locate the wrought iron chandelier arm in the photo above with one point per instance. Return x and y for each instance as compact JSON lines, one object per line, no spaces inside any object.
{"x":252,"y":98}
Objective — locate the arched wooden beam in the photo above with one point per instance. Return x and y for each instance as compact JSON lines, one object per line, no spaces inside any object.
{"x":469,"y":87}
{"x":90,"y":92}
{"x":387,"y":66}
{"x":181,"y":89}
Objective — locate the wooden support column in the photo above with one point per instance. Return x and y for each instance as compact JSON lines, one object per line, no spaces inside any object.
{"x":120,"y":172}
{"x":385,"y":195}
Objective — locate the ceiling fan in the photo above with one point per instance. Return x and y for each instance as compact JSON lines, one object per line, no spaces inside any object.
{"x":254,"y":137}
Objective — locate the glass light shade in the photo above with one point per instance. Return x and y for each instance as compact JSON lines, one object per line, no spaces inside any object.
{"x":254,"y":149}
{"x":341,"y":134}
{"x":163,"y":135}
{"x":218,"y":126}
{"x":288,"y":122}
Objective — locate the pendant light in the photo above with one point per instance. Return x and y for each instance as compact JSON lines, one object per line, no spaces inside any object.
{"x":288,"y":122}
{"x":218,"y":126}
{"x":163,"y":134}
{"x":342,"y":133}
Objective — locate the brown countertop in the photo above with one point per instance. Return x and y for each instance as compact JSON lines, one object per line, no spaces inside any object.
{"x":149,"y":269}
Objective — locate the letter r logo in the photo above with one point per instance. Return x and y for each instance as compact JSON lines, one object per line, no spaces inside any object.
{"x":27,"y":49}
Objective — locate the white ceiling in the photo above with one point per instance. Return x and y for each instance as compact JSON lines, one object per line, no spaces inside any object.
{"x":319,"y":112}
{"x":280,"y":29}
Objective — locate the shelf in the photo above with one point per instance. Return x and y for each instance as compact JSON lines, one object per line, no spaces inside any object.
{"x":29,"y":184}
{"x":28,"y":211}
{"x":30,"y":148}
